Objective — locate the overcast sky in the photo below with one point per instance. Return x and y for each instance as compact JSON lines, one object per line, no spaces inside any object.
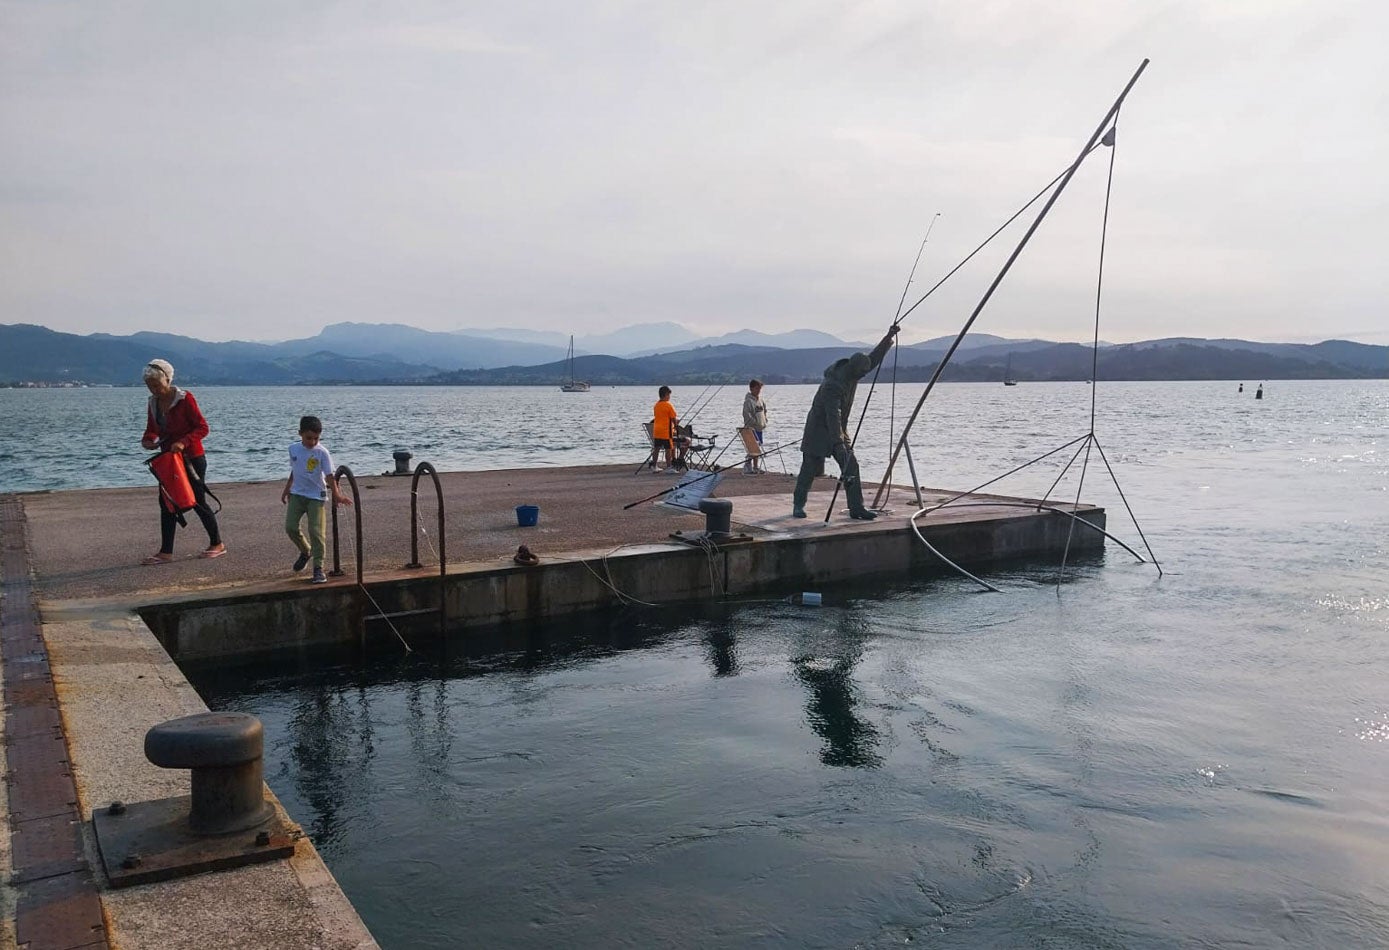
{"x":256,"y":170}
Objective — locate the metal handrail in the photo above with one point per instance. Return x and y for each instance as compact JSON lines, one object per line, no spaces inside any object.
{"x":337,"y":570}
{"x":420,"y":469}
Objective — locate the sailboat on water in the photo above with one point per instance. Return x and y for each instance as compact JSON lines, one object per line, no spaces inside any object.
{"x":1008,"y":379}
{"x":573,"y":386}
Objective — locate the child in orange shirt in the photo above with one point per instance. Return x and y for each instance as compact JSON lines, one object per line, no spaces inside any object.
{"x":663,"y":429}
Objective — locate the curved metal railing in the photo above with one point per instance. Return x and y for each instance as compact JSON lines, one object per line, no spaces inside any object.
{"x":337,"y":571}
{"x":422,"y":469}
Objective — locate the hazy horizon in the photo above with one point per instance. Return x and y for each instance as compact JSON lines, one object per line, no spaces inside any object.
{"x":234,"y":172}
{"x":561,"y":335}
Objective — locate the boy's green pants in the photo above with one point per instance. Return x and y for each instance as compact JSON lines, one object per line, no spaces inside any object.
{"x":298,"y":508}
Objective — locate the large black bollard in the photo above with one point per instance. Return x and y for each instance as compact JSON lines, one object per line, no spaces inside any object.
{"x":718,"y":516}
{"x":223,"y":752}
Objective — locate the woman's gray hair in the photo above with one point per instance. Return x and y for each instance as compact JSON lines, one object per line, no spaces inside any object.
{"x":160,"y":369}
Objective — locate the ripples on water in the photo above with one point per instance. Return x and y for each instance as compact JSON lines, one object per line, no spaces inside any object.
{"x":1120,"y":762}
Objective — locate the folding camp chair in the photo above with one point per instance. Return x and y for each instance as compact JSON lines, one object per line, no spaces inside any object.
{"x":694,"y":450}
{"x":653,"y":450}
{"x":686,"y":449}
{"x":762,"y":450}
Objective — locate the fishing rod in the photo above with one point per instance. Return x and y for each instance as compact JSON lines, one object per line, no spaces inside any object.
{"x":902,"y":315}
{"x":999,"y":230}
{"x":873,"y":385}
{"x":689,"y":420}
{"x":695,"y":401}
{"x":1089,"y":147}
{"x":695,"y":481}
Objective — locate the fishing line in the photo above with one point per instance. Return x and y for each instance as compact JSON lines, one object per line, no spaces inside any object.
{"x":352,"y":549}
{"x":1065,"y":180}
{"x":999,"y":503}
{"x":880,"y":500}
{"x":896,"y":346}
{"x":1016,"y":214}
{"x":423,"y":530}
{"x":695,"y":401}
{"x":1110,"y":139}
{"x":1106,"y":135}
{"x":690,"y":419}
{"x":896,"y":350}
{"x":1127,"y":507}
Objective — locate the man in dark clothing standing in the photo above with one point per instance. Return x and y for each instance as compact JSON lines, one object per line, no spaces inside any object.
{"x":826,"y":429}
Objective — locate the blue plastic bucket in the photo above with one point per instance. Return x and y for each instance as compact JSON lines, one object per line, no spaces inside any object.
{"x":527,"y":515}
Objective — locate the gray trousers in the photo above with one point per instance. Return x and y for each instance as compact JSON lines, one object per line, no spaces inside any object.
{"x":848,"y":474}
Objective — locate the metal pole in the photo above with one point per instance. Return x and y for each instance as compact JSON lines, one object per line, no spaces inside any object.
{"x":916,"y":484}
{"x":1065,"y":180}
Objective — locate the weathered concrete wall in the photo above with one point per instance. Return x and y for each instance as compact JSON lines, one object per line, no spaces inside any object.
{"x":485,"y":593}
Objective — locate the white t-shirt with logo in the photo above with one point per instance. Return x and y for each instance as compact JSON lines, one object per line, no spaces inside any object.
{"x":310,"y":469}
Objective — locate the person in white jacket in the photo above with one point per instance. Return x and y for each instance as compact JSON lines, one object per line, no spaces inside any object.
{"x":754,"y":421}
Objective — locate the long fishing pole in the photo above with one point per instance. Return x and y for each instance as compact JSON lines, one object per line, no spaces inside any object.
{"x":695,"y":402}
{"x":873,"y":385}
{"x":1090,"y":145}
{"x":694,"y":481}
{"x":985,"y":243}
{"x":902,"y":315}
{"x":689,"y":420}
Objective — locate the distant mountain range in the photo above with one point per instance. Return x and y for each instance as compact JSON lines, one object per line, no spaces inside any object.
{"x":395,"y":354}
{"x":645,"y":339}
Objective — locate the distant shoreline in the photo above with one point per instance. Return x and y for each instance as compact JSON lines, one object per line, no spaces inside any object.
{"x":673,"y":380}
{"x":395,"y":355}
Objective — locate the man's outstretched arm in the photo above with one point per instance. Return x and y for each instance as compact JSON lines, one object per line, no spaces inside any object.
{"x":880,"y":351}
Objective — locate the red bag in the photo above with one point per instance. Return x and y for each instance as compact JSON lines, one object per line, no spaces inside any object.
{"x":175,"y":490}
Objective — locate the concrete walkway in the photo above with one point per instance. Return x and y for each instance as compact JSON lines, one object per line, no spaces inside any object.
{"x":88,"y":544}
{"x":108,"y":681}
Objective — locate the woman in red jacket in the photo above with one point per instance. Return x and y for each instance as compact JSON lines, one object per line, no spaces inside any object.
{"x":176,"y":424}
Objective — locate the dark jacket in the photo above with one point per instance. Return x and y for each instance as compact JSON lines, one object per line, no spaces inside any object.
{"x":827,"y":423}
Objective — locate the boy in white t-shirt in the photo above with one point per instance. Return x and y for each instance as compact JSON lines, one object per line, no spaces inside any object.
{"x":310,"y":480}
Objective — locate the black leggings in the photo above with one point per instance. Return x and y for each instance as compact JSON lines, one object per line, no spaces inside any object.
{"x":169,"y":521}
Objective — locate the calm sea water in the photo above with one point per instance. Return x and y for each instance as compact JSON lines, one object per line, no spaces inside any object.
{"x":1115,"y":761}
{"x":84,"y":438}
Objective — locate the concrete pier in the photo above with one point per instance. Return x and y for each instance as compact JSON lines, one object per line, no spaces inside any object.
{"x":112,"y":630}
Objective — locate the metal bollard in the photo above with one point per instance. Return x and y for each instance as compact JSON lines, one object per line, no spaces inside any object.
{"x":718,"y":516}
{"x":223,"y":752}
{"x":402,"y":462}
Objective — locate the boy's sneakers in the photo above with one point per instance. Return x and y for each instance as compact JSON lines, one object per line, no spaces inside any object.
{"x":301,"y":562}
{"x":318,"y":576}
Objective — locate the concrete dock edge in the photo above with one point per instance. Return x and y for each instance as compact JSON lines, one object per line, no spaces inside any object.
{"x":112,"y":681}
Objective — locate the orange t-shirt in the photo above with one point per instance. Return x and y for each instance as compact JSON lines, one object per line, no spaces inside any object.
{"x":664,"y":414}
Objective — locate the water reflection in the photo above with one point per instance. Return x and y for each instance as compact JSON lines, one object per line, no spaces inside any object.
{"x":721,"y":649}
{"x":427,"y":724}
{"x":850,"y":740}
{"x":332,"y":749}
